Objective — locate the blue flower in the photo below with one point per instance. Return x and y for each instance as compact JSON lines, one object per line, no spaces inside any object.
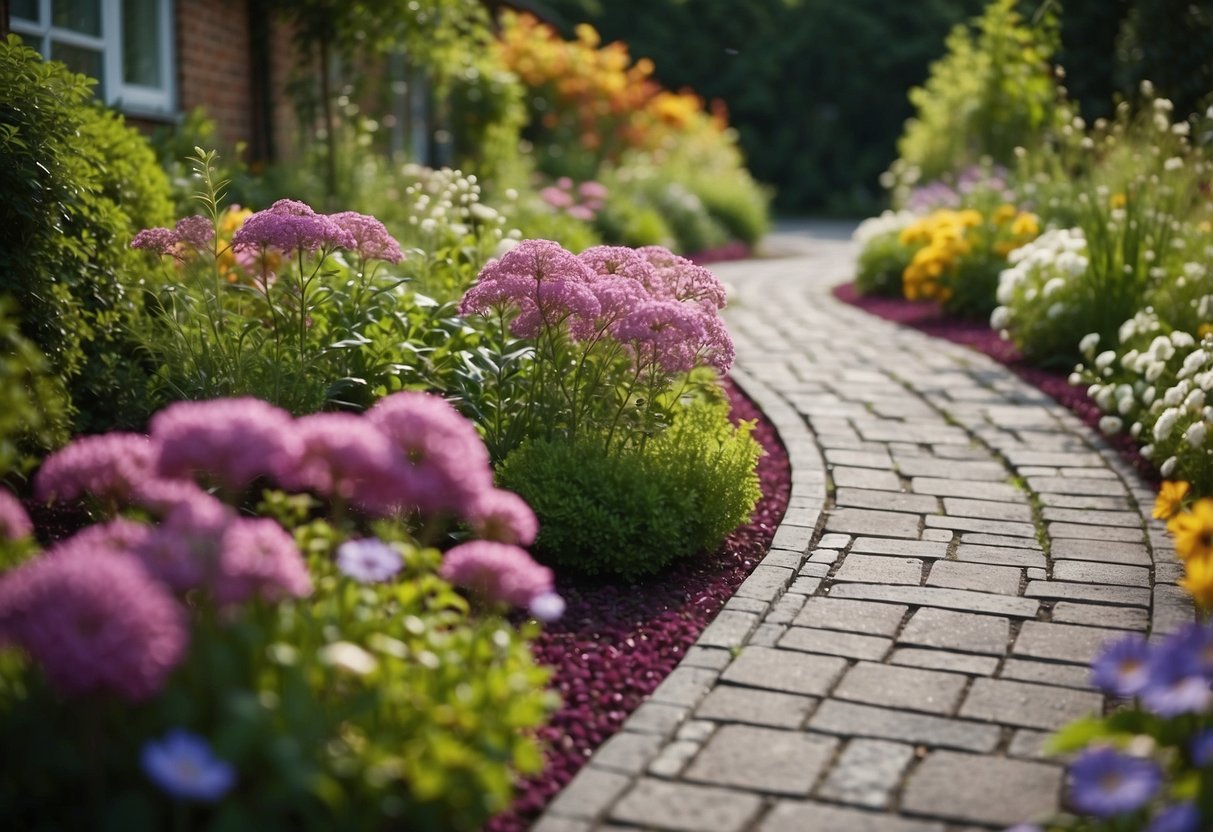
{"x":1182,"y":817}
{"x":1202,"y":748}
{"x":1105,"y":782}
{"x":1179,"y":674}
{"x":369,"y":560}
{"x":183,"y":765}
{"x":1122,"y":669}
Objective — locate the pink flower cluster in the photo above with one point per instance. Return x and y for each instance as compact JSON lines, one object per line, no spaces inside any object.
{"x":14,"y":522}
{"x":582,"y":202}
{"x":499,"y":572}
{"x":663,"y":307}
{"x":286,"y":226}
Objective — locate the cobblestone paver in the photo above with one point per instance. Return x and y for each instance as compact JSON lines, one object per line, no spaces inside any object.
{"x":956,"y":549}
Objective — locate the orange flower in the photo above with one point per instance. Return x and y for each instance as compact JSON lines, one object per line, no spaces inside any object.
{"x":1198,"y":581}
{"x":1170,"y":499}
{"x":1193,"y":530}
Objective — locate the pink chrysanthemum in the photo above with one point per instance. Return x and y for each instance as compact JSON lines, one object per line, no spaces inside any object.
{"x":14,"y":522}
{"x":228,"y":441}
{"x":664,"y":332}
{"x":497,"y":572}
{"x":289,"y":225}
{"x":186,"y":549}
{"x":95,"y":622}
{"x":108,"y":466}
{"x":371,"y":238}
{"x":347,"y":457}
{"x":258,"y":557}
{"x":503,"y":516}
{"x":447,"y":465}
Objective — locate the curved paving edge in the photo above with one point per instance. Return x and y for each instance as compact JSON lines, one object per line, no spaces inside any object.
{"x":896,"y":660}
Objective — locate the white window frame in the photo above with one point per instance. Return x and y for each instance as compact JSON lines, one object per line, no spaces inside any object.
{"x":133,"y":99}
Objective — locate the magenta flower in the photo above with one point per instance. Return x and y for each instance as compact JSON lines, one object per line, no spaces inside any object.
{"x":369,"y":560}
{"x":195,"y":231}
{"x":592,"y":190}
{"x":556,"y":197}
{"x":552,"y":302}
{"x":503,"y":516}
{"x":108,"y":466}
{"x":445,"y":464}
{"x":162,"y":241}
{"x":14,"y":522}
{"x":184,"y":766}
{"x":717,"y":350}
{"x":347,"y":457}
{"x":680,"y":279}
{"x":94,"y":621}
{"x":664,"y":332}
{"x":371,"y":238}
{"x":185,"y":551}
{"x":620,"y":261}
{"x":581,"y":212}
{"x":289,"y":225}
{"x":118,"y":536}
{"x":227,"y":441}
{"x":258,"y":557}
{"x":496,"y":572}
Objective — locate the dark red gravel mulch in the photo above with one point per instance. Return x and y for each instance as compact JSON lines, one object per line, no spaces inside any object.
{"x":616,"y":643}
{"x":927,"y":317}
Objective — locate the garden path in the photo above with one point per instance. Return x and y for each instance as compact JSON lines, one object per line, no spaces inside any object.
{"x":956,"y":549}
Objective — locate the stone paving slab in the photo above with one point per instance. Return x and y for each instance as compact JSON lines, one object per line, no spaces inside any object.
{"x":957,"y":549}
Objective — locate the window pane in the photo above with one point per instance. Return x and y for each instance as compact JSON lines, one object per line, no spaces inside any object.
{"x":82,"y":16}
{"x":141,"y":43}
{"x":26,"y":9}
{"x":79,"y":59}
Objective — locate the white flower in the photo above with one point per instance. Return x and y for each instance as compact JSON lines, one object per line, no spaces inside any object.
{"x":1088,"y":343}
{"x":1176,"y":394}
{"x":1195,"y":435}
{"x":1125,"y":405}
{"x":1055,"y":311}
{"x":1074,"y":379}
{"x":1053,"y":286}
{"x":1147,"y":451}
{"x":1165,"y":424}
{"x":1147,"y":396}
{"x":547,"y":607}
{"x":1000,"y":318}
{"x":1135,"y":429}
{"x":1194,"y":361}
{"x":1168,"y":467}
{"x":1110,"y":424}
{"x":1195,"y":400}
{"x":1182,"y":340}
{"x":347,"y":656}
{"x":1174,"y":163}
{"x":1162,"y":348}
{"x":1103,"y":397}
{"x":1105,"y":359}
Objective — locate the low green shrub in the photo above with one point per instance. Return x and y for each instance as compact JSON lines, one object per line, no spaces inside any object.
{"x":625,"y":222}
{"x":77,"y":183}
{"x":736,"y":202}
{"x":633,"y":512}
{"x":883,"y":258}
{"x":32,"y":401}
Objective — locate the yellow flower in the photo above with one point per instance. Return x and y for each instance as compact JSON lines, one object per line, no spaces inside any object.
{"x":969,"y":218}
{"x":1118,"y":200}
{"x":1204,"y":330}
{"x":1193,"y":530}
{"x":1004,"y":213}
{"x":1025,"y":225}
{"x":1198,"y":580}
{"x":1004,"y":247}
{"x":1170,"y":499}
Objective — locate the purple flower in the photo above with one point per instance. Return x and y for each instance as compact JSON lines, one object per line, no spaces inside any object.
{"x":717,"y":350}
{"x":347,"y":457}
{"x":1201,"y":748}
{"x":195,"y":231}
{"x":14,"y":522}
{"x":1180,"y":817}
{"x":371,"y":238}
{"x":556,"y":197}
{"x":108,"y":466}
{"x":1024,"y":827}
{"x":664,"y":332}
{"x":1105,"y":782}
{"x":369,"y":560}
{"x":289,"y":225}
{"x":677,"y":278}
{"x":593,"y":190}
{"x":258,"y":557}
{"x":1179,"y":670}
{"x":118,"y":536}
{"x":1122,"y":669}
{"x":185,"y":550}
{"x":185,"y":767}
{"x":503,"y":516}
{"x":497,"y":572}
{"x":95,"y":621}
{"x":228,"y":441}
{"x":445,"y":466}
{"x":162,"y":241}
{"x":546,"y":607}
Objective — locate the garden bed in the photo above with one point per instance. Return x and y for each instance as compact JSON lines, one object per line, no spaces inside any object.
{"x":928,"y":318}
{"x":617,"y":642}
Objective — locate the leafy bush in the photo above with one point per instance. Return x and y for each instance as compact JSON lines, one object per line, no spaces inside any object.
{"x":882,"y":256}
{"x":993,"y":91}
{"x":33,"y":402}
{"x":631,"y":513}
{"x":626,"y":222}
{"x":184,"y":663}
{"x":77,"y":184}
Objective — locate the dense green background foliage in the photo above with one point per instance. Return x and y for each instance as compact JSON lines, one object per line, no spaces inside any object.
{"x":817,"y":90}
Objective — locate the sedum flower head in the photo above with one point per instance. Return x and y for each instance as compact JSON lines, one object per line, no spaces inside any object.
{"x":94,"y":621}
{"x":496,"y":572}
{"x":371,"y":238}
{"x":347,"y":457}
{"x":289,"y":225}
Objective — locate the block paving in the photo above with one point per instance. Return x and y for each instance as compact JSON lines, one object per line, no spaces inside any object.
{"x":957,"y":549}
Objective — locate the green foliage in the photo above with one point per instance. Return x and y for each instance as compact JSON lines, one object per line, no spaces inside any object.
{"x":77,"y":184}
{"x":993,"y":91}
{"x":625,"y":221}
{"x":882,"y":261}
{"x":33,"y":402}
{"x":630,"y":514}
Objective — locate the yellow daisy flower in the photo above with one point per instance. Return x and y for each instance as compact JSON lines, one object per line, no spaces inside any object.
{"x":1170,"y":499}
{"x":1193,"y":530}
